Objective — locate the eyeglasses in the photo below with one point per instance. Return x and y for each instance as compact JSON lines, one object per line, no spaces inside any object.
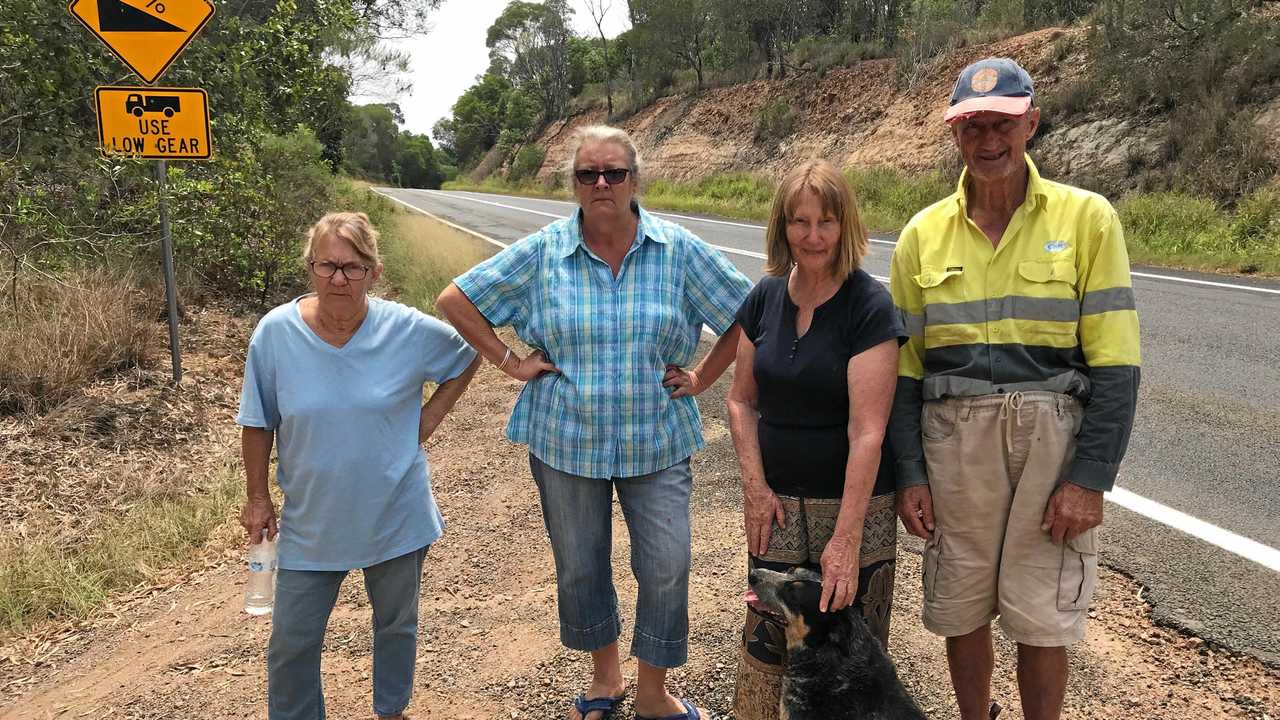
{"x":328,"y":269}
{"x":613,"y":176}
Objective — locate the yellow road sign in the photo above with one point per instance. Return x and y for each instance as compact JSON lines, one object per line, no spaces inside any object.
{"x":147,"y":35}
{"x":153,"y":122}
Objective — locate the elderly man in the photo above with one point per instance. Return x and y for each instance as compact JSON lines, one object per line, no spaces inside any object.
{"x":1016,"y":394}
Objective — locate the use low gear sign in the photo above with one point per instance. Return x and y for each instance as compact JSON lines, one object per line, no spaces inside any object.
{"x":147,"y":36}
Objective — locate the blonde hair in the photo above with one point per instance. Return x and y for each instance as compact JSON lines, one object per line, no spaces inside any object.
{"x":603,"y":134}
{"x":836,"y":197}
{"x":354,"y":227}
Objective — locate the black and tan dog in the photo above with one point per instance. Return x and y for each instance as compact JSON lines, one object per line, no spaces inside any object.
{"x":835,"y":668}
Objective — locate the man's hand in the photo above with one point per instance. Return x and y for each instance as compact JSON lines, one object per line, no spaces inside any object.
{"x":258,"y":517}
{"x":1071,"y":510}
{"x":915,"y":507}
{"x":839,"y":573}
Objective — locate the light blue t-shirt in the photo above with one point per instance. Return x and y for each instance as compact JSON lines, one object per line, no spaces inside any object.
{"x":356,"y":483}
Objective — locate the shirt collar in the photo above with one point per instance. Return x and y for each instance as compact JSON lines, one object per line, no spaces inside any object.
{"x":568,"y":242}
{"x":1037,"y":191}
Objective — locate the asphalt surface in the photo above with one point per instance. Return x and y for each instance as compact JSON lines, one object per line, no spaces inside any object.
{"x":1206,"y":441}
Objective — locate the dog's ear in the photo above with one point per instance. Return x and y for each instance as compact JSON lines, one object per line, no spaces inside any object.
{"x":804,"y":573}
{"x":802,"y":596}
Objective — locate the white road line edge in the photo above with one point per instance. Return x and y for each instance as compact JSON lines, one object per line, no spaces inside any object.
{"x":1150,"y":276}
{"x":1238,"y":545}
{"x":1265,"y":556}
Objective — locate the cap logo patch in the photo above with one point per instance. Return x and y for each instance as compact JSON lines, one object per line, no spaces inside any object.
{"x":984,"y":80}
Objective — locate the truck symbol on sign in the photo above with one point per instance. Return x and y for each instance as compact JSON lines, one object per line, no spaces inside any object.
{"x":136,"y":104}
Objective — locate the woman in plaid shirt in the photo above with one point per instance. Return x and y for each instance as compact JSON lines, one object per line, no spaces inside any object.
{"x":612,"y":299}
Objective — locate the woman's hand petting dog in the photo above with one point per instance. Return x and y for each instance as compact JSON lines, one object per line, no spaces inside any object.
{"x":760,"y":508}
{"x":839,"y":573}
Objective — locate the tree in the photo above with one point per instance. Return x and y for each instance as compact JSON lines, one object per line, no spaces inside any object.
{"x":529,"y":46}
{"x":478,"y":117}
{"x":679,"y":29}
{"x":598,"y":10}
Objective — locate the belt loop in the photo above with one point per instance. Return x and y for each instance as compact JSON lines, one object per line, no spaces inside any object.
{"x":964,"y":407}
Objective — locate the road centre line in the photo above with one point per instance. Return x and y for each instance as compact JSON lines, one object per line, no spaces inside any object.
{"x":1237,"y":545}
{"x":1134,"y":273}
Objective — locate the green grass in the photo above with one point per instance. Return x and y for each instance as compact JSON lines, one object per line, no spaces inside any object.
{"x":45,"y":579}
{"x":887,"y":198}
{"x":1165,"y":228}
{"x":1171,"y":228}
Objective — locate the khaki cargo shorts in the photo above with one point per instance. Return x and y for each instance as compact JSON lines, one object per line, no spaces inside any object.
{"x":993,"y":462}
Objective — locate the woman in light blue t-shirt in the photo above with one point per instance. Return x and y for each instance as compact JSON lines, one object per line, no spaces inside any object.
{"x":334,"y":379}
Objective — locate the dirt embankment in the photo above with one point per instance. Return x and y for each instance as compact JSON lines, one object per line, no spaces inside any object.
{"x":179,"y":645}
{"x":865,"y":116}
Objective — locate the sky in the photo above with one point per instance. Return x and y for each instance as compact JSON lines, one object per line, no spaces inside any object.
{"x":446,"y":61}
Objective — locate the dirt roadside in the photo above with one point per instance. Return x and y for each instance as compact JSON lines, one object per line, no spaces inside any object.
{"x":488,"y":646}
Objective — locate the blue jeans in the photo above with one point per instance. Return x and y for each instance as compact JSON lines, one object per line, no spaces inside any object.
{"x":304,"y":599}
{"x":578,"y":514}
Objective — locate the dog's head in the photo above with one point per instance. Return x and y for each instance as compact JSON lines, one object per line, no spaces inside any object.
{"x":795,"y":597}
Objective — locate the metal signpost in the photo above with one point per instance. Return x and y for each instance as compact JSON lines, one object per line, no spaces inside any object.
{"x":163,"y":123}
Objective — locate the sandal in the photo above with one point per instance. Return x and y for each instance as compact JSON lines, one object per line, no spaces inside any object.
{"x":603,"y":705}
{"x":690,"y":713}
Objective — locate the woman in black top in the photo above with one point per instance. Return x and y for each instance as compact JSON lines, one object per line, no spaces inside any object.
{"x":812,"y":388}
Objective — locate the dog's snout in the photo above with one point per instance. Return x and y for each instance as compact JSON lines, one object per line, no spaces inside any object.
{"x":753,"y":578}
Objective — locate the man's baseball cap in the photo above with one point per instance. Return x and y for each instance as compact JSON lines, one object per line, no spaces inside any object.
{"x":991,"y":85}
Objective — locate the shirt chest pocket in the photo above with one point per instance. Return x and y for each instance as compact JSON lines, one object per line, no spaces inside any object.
{"x":1046,"y":294}
{"x":946,"y":320}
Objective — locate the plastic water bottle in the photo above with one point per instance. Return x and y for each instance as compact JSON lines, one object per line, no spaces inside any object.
{"x":260,"y":593}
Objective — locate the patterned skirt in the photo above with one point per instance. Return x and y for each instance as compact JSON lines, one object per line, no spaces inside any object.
{"x":810,"y":523}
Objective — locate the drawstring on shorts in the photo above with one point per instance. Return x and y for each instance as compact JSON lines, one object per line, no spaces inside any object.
{"x":1012,"y":401}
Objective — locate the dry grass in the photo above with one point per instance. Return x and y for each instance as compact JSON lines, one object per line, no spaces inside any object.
{"x":65,"y":333}
{"x":121,"y":481}
{"x":48,"y":578}
{"x":423,"y":255}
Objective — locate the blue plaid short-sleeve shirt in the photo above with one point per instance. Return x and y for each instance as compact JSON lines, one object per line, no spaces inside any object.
{"x":606,"y":413}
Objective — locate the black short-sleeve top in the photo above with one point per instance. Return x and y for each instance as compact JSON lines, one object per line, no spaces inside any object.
{"x":802,"y":382}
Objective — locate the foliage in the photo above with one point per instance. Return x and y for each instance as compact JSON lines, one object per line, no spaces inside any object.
{"x":774,"y":122}
{"x":375,"y":148}
{"x":1172,"y":223}
{"x":888,"y":198}
{"x":526,"y":163}
{"x":1199,"y":62}
{"x":529,"y":46}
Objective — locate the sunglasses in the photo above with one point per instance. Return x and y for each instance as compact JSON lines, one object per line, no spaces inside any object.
{"x":613,"y":176}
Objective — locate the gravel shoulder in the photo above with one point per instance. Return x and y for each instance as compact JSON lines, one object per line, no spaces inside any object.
{"x":488,"y":645}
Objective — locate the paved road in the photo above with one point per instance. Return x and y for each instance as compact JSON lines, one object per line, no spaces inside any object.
{"x":1206,"y":442}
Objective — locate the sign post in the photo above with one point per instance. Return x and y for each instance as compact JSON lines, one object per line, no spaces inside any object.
{"x":151,"y":122}
{"x":170,"y":282}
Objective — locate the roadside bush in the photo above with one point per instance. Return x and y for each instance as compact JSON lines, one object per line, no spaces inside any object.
{"x":821,"y":53}
{"x":741,"y":195}
{"x":238,"y":224}
{"x":888,"y":198}
{"x":63,"y":333}
{"x":775,"y":121}
{"x":1173,"y":223}
{"x":1256,"y":225}
{"x":526,"y":163}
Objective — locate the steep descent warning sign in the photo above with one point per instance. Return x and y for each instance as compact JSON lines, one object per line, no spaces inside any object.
{"x":147,"y":35}
{"x":153,"y":122}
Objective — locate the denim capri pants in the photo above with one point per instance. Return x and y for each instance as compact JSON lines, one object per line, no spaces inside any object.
{"x":578,"y":512}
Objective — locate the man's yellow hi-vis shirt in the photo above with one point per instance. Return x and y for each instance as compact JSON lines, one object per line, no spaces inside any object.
{"x":1050,"y":308}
